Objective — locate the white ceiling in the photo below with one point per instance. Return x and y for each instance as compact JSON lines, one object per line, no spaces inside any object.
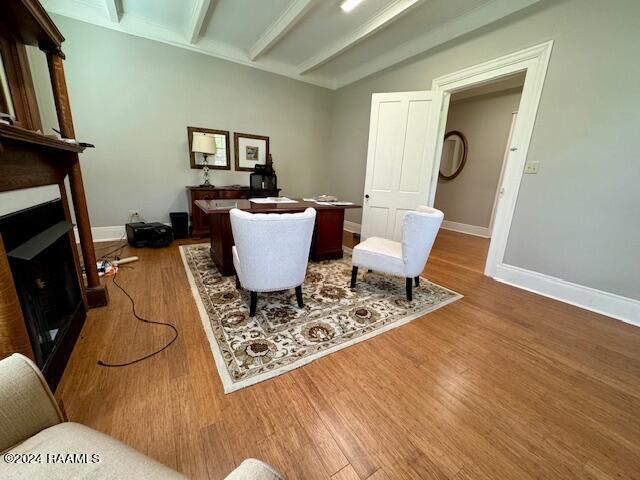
{"x":309,"y":40}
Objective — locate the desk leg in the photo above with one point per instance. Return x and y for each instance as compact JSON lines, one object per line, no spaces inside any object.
{"x":327,"y":236}
{"x":221,"y":243}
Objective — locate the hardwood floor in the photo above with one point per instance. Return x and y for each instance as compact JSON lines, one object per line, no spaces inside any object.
{"x":501,"y":384}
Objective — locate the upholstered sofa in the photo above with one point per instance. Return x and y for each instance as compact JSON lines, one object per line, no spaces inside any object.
{"x":36,"y":442}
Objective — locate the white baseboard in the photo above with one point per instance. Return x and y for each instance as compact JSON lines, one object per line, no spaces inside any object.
{"x":466,"y":228}
{"x":104,"y":234}
{"x":351,"y":227}
{"x":609,"y":304}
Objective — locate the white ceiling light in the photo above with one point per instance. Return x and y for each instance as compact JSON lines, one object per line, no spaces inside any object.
{"x":349,"y":5}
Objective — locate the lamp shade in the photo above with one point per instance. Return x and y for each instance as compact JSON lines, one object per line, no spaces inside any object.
{"x":203,"y":143}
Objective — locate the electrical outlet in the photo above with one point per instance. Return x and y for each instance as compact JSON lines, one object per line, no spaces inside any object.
{"x":531,"y":167}
{"x":134,"y":213}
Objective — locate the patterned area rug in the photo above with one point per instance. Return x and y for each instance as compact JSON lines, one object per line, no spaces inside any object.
{"x":281,"y":336}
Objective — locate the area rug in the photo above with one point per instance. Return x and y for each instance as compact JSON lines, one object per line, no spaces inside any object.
{"x":282,"y":337}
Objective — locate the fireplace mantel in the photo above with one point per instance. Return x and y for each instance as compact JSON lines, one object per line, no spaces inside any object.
{"x":29,"y":159}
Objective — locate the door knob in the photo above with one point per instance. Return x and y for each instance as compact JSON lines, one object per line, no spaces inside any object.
{"x":366,"y":195}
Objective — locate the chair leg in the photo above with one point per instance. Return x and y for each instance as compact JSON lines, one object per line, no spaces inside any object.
{"x":354,"y":276}
{"x":253,"y":305}
{"x":417,"y":281}
{"x":369,"y":270}
{"x":237,"y":283}
{"x":299,"y":296}
{"x":409,"y":292}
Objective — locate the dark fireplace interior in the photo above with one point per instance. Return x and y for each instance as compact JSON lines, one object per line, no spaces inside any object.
{"x":42,"y":263}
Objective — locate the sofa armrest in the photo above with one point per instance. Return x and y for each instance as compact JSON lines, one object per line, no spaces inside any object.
{"x":26,"y":403}
{"x":252,"y":469}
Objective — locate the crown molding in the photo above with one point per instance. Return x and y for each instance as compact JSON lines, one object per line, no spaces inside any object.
{"x":136,"y":26}
{"x":460,"y":25}
{"x":114,"y":10}
{"x":384,"y":18}
{"x":280,"y":27}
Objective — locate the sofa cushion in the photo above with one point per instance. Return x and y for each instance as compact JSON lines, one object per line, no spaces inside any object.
{"x":106,"y":458}
{"x":380,"y":255}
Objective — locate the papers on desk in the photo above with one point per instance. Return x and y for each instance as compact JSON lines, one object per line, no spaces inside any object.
{"x":272,"y":200}
{"x":338,"y":204}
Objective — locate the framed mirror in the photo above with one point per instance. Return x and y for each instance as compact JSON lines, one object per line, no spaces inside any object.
{"x":454,"y":155}
{"x":221,"y":160}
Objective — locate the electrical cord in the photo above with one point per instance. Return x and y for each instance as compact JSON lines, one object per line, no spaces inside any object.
{"x":142,"y":319}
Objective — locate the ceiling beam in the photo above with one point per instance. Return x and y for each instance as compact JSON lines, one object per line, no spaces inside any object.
{"x":194,"y":26}
{"x":384,"y":18}
{"x":114,"y":10}
{"x":280,"y":27}
{"x":446,"y":32}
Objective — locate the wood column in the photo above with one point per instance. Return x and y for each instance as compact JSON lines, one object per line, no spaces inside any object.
{"x":13,"y":331}
{"x":96,"y":293}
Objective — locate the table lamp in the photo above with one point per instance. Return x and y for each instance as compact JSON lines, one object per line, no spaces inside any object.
{"x":205,"y":144}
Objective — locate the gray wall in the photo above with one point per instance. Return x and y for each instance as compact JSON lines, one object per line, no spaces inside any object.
{"x":485,"y":121}
{"x":134,"y":98}
{"x":577,"y":219}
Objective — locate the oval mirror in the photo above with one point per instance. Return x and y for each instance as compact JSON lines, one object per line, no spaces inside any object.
{"x":454,"y":155}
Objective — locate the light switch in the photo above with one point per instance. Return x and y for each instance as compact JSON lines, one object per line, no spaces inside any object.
{"x":531,"y":167}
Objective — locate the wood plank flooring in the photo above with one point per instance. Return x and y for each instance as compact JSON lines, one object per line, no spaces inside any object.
{"x":503,"y":384}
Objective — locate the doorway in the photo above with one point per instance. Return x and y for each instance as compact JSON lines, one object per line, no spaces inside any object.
{"x":533,"y":63}
{"x":477,"y":139}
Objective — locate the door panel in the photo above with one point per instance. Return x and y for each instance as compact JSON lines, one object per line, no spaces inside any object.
{"x":399,"y":159}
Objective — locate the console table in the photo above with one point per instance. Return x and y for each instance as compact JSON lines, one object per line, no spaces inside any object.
{"x":199,"y":221}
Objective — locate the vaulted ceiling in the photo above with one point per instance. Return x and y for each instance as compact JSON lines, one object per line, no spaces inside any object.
{"x":313,"y":41}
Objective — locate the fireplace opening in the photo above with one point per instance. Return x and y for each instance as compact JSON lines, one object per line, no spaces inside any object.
{"x":43,"y":269}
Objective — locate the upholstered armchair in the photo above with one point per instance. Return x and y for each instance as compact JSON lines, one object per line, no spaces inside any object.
{"x":403,"y":259}
{"x":36,"y":442}
{"x":271,"y":251}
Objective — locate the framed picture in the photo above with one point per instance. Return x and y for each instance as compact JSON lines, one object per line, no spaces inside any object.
{"x":222,"y":158}
{"x":250,"y":150}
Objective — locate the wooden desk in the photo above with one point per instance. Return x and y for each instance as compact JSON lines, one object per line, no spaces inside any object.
{"x":199,"y":221}
{"x":327,"y":234}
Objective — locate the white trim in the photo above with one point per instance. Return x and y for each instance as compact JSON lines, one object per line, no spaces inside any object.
{"x":140,"y":27}
{"x":229,"y":386}
{"x":534,"y":61}
{"x":194,"y":24}
{"x":609,"y":304}
{"x":467,"y":228}
{"x":114,"y":10}
{"x":104,"y":234}
{"x":385,"y":17}
{"x":461,"y":25}
{"x":352,"y":227}
{"x":280,"y":27}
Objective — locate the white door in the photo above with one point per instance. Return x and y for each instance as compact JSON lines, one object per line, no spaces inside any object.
{"x":402,"y":142}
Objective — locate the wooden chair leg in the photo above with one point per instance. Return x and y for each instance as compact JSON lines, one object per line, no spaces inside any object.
{"x":417,"y":281}
{"x":237,"y":283}
{"x":409,"y":292}
{"x":254,"y":303}
{"x":354,"y":276}
{"x":299,"y":296}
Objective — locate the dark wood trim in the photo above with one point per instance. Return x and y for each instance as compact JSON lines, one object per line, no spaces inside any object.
{"x":192,"y":156}
{"x":96,"y":293}
{"x":31,"y":24}
{"x":21,"y":90}
{"x":29,"y":138}
{"x":13,"y":331}
{"x":236,"y":152}
{"x":72,"y":241}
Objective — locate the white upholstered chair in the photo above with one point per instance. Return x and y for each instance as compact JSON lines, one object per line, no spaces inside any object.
{"x":271,"y":251}
{"x":403,"y":259}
